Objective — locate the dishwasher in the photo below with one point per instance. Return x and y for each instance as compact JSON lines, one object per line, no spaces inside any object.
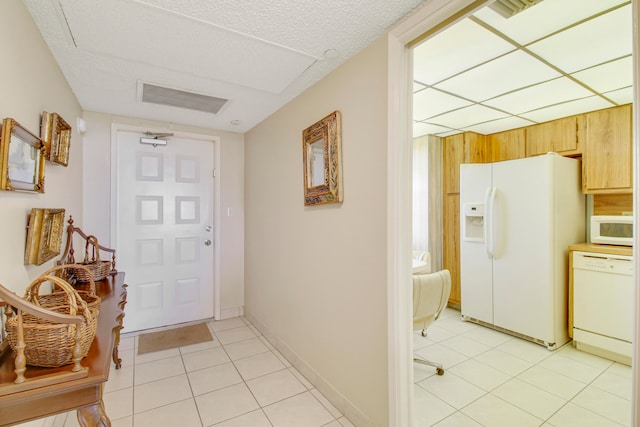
{"x":603,"y":304}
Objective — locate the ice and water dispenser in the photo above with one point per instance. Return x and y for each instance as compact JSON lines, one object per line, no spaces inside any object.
{"x":473,"y":223}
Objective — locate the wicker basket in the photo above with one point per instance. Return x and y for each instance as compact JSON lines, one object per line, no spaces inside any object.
{"x":94,"y":268}
{"x":86,"y":290}
{"x":51,"y":344}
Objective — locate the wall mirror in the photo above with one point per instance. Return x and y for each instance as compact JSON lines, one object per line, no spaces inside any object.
{"x":21,"y":159}
{"x":56,"y":137}
{"x":322,"y":161}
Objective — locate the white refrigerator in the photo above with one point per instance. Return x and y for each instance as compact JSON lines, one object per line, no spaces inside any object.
{"x":517,"y":219}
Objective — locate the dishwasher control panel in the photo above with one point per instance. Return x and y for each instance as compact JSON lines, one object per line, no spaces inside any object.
{"x":615,"y":264}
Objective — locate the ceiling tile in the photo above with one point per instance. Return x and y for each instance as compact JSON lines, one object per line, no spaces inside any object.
{"x":579,"y":106}
{"x":430,"y":102}
{"x":457,"y":48}
{"x":467,"y":116}
{"x":593,"y":42}
{"x":420,"y":128}
{"x":502,"y":75}
{"x":621,"y":96}
{"x":544,"y":94}
{"x":418,"y":87}
{"x":609,"y":76}
{"x":544,"y":18}
{"x":494,"y":126}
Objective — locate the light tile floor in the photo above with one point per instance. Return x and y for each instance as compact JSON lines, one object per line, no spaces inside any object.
{"x":494,"y":379}
{"x":491,"y":379}
{"x":236,"y":380}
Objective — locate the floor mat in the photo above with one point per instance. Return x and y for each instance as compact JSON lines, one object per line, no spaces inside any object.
{"x":172,"y":338}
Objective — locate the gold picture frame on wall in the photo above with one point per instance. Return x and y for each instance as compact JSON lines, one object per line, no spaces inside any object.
{"x":322,"y":161}
{"x":56,"y":136}
{"x":44,"y":235}
{"x":21,"y":158}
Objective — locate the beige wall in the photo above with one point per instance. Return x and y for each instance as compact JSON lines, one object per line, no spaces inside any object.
{"x":32,"y":83}
{"x":315,"y":277}
{"x":230,"y":165}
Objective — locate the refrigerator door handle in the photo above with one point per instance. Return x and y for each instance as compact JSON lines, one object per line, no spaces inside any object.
{"x":490,"y":236}
{"x":487,"y":218}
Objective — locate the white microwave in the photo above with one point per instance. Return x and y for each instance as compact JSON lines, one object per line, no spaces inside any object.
{"x":612,"y":229}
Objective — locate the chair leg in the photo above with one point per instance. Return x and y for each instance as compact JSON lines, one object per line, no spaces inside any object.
{"x":438,"y":366}
{"x":423,"y":333}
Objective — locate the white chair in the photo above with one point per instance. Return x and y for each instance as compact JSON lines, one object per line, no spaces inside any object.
{"x":421,"y":262}
{"x":430,"y":295}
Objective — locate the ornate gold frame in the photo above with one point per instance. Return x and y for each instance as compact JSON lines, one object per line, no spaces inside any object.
{"x":56,"y":136}
{"x":44,"y":235}
{"x":21,"y":159}
{"x":322,"y":160}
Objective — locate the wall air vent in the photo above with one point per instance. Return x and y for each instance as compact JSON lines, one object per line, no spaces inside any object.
{"x":508,"y":8}
{"x":178,"y":98}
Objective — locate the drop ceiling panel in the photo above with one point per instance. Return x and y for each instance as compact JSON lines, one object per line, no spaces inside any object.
{"x":607,"y":77}
{"x":597,"y":41}
{"x":579,"y":106}
{"x":544,"y":18}
{"x":171,"y":40}
{"x":502,"y":75}
{"x":500,"y":124}
{"x":541,"y":95}
{"x":430,"y":102}
{"x":467,"y":116}
{"x":621,"y":96}
{"x":456,"y":49}
{"x":588,"y":40}
{"x":420,"y":128}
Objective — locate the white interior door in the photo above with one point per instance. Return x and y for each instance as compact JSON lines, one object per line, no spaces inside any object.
{"x":164,"y":234}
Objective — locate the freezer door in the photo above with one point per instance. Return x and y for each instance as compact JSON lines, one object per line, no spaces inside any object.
{"x":523,"y":264}
{"x":476,"y":290}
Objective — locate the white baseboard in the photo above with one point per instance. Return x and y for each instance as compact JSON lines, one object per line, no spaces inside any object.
{"x":228,"y":313}
{"x":350,"y":411}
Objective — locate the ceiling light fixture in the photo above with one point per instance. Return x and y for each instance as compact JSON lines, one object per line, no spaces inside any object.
{"x":508,"y":8}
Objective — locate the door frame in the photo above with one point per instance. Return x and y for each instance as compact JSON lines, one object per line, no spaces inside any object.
{"x":431,"y":16}
{"x":215,"y":140}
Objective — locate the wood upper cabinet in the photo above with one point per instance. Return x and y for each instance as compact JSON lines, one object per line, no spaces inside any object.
{"x":467,"y":147}
{"x":559,"y":136}
{"x":607,"y":157}
{"x":506,"y":145}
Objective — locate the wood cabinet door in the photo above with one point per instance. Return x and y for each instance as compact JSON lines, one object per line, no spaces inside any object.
{"x":452,"y":156}
{"x":507,"y":145}
{"x":559,"y":136}
{"x":451,"y":243}
{"x":607,"y":159}
{"x":475,"y":148}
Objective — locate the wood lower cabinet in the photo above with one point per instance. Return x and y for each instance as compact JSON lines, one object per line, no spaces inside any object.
{"x":607,"y":158}
{"x":451,"y":245}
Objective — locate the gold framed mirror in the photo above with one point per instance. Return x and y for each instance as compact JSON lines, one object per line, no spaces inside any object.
{"x":21,"y":159}
{"x":56,"y":137}
{"x":44,"y":235}
{"x":322,"y":161}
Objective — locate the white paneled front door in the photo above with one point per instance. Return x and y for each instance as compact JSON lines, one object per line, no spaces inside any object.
{"x":164,"y":221}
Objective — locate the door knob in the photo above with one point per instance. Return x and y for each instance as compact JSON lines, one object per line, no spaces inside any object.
{"x":207,"y":242}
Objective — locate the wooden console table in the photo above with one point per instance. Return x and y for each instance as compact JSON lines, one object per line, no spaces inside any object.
{"x":83,"y":394}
